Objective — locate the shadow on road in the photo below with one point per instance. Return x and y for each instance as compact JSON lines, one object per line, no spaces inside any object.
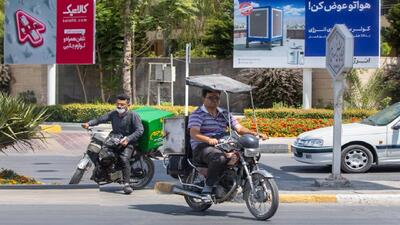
{"x":179,"y":210}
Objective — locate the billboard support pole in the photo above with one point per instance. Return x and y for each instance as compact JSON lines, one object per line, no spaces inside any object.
{"x":307,"y":88}
{"x":51,"y":84}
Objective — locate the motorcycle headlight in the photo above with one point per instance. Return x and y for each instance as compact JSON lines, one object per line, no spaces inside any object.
{"x":309,"y":142}
{"x":251,"y":152}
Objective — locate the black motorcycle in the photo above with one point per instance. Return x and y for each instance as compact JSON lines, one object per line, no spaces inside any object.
{"x":242,"y":175}
{"x":109,"y":169}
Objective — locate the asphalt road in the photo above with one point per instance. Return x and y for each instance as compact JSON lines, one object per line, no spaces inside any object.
{"x":290,"y":175}
{"x":177,"y":214}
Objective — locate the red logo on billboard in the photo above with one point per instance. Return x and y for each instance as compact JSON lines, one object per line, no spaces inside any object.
{"x":29,"y":29}
{"x":246,"y":8}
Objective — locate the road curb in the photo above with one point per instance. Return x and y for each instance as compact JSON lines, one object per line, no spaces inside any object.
{"x":48,"y":186}
{"x":166,"y":188}
{"x":52,"y":129}
{"x":315,"y":198}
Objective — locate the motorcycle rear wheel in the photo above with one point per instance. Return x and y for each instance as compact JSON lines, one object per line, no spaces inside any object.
{"x":194,"y":203}
{"x":266,"y":196}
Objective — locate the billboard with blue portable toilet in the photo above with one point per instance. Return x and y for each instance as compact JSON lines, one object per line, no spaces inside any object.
{"x":292,"y":33}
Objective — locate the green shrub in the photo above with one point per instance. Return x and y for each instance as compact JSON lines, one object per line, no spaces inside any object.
{"x":275,"y":85}
{"x":307,"y":113}
{"x":79,"y":113}
{"x":28,"y":96}
{"x":19,"y":121}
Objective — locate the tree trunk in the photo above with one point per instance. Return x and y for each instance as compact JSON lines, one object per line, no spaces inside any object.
{"x":126,"y":70}
{"x":133,"y":63}
{"x":82,"y":81}
{"x":101,"y":75}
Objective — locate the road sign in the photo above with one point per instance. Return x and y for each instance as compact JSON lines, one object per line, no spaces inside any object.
{"x":339,"y":51}
{"x":339,"y":59}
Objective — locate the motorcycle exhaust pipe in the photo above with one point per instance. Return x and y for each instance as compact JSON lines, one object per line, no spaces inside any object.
{"x":169,"y":188}
{"x":180,"y":191}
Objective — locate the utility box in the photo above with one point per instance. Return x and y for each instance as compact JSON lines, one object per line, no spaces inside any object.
{"x":175,"y":139}
{"x":152,"y":120}
{"x":265,"y":25}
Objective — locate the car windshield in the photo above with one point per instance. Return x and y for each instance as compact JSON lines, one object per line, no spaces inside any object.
{"x":383,"y":117}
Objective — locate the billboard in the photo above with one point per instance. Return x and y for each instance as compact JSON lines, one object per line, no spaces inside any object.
{"x":49,"y":32}
{"x":292,"y":33}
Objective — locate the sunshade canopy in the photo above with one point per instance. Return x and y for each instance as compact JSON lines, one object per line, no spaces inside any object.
{"x":218,"y":82}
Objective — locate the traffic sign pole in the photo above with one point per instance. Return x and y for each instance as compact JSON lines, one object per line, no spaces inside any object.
{"x":338,"y":88}
{"x":339,"y":59}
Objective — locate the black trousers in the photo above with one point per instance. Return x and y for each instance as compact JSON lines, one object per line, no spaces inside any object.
{"x":214,"y":158}
{"x":124,"y":155}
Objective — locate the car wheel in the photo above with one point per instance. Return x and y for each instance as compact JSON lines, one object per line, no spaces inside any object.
{"x":356,"y":159}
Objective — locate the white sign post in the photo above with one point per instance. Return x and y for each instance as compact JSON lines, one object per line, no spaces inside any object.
{"x":339,"y":59}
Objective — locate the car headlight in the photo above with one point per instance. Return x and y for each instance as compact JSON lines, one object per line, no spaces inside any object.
{"x":309,"y":142}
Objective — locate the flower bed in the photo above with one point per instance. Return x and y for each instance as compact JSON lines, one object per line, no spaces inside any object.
{"x":289,"y":127}
{"x":11,"y":177}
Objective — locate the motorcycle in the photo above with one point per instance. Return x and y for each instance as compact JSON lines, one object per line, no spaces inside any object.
{"x":243,"y":173}
{"x":109,"y":169}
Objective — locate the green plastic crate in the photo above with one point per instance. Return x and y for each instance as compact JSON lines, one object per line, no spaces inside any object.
{"x":152,"y":120}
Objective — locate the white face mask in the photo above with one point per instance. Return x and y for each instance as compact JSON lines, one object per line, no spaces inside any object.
{"x":120,"y":110}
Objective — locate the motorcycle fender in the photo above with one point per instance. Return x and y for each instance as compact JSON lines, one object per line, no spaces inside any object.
{"x":263,"y":173}
{"x":84,"y":162}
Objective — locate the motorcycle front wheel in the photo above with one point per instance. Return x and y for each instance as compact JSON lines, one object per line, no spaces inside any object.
{"x":264,"y":201}
{"x":196,"y":204}
{"x":142,"y":172}
{"x":77,"y":177}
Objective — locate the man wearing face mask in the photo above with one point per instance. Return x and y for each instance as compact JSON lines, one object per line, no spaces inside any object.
{"x":129,"y":125}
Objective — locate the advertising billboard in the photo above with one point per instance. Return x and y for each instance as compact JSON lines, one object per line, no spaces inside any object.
{"x":49,"y":32}
{"x":292,"y":33}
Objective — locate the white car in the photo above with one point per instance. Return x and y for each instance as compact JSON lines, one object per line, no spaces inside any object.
{"x":374,"y":140}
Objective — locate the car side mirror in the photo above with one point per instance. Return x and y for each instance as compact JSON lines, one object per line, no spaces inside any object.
{"x":396,"y":126}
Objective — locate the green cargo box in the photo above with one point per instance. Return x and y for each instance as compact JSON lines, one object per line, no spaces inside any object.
{"x":152,"y":120}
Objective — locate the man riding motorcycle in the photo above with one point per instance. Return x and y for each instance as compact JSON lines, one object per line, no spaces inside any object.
{"x":208,"y":123}
{"x":127,"y":124}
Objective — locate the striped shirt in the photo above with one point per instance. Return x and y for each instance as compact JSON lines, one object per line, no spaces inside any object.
{"x":210,"y":126}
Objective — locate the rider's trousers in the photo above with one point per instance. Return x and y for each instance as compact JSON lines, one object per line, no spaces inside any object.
{"x":215,"y":160}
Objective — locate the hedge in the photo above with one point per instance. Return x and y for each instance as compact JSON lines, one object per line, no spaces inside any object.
{"x":79,"y":113}
{"x":288,"y":127}
{"x":275,"y":122}
{"x":282,"y":113}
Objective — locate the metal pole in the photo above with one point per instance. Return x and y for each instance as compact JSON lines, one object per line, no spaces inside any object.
{"x":186,"y":76}
{"x":158,"y":93}
{"x":338,"y":88}
{"x":172,"y":81}
{"x":229,"y":114}
{"x":307,"y":88}
{"x":148,"y":85}
{"x":51,"y":84}
{"x":254,"y":112}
